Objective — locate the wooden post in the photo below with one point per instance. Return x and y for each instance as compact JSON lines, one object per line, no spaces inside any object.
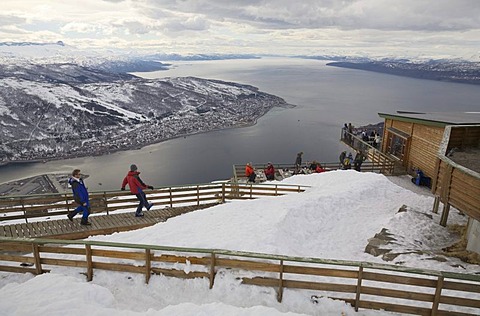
{"x":212,"y":269}
{"x":276,"y":189}
{"x":438,"y":294}
{"x":223,"y":192}
{"x":251,"y":191}
{"x":36,"y":255}
{"x":198,"y":195}
{"x":66,"y":202}
{"x":280,"y":283}
{"x":148,"y":265}
{"x":436,"y":203}
{"x":105,"y":202}
{"x":446,"y":195}
{"x":446,"y":210}
{"x":359,"y":287}
{"x":88,"y":252}
{"x":171,"y":197}
{"x":23,"y":209}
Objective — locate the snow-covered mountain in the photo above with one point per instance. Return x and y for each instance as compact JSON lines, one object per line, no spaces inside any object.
{"x":65,"y":109}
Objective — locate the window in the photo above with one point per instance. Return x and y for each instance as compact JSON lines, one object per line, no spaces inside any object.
{"x":397,"y":143}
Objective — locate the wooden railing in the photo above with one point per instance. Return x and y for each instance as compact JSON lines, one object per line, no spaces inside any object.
{"x":49,"y":205}
{"x":362,"y":284}
{"x":381,"y":161}
{"x":375,"y":164}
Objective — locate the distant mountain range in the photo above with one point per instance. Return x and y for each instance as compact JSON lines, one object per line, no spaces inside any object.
{"x":451,"y":71}
{"x":59,"y":43}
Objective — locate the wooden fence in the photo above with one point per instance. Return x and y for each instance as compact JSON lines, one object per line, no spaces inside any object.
{"x":363,"y":285}
{"x":380,"y":161}
{"x":48,"y":205}
{"x":286,"y":170}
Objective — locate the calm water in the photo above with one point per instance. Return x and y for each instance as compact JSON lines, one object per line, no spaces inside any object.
{"x":326,"y":97}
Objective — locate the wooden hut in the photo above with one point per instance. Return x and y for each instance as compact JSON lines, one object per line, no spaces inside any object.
{"x":446,"y":147}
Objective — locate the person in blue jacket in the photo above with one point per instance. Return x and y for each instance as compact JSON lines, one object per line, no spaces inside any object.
{"x":80,"y":195}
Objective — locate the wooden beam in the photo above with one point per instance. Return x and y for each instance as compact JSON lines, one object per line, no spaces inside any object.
{"x":280,"y":283}
{"x":36,"y":255}
{"x":359,"y":288}
{"x":148,"y":265}
{"x":88,"y":252}
{"x":212,"y":269}
{"x":438,"y":294}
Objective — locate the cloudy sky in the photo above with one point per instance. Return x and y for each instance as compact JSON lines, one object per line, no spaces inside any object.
{"x":382,"y":27}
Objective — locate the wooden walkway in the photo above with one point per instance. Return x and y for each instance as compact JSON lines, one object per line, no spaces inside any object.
{"x":101,"y":225}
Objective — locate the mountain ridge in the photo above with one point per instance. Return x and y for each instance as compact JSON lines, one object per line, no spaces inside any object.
{"x":63,"y":110}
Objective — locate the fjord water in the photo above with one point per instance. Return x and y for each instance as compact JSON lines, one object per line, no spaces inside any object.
{"x":325,"y":98}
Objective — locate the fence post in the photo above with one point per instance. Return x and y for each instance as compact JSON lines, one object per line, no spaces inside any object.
{"x":105,"y":201}
{"x":66,"y":202}
{"x":251,"y":191}
{"x":36,"y":255}
{"x":88,"y":253}
{"x":23,"y":209}
{"x":171,"y":197}
{"x":148,"y":265}
{"x":223,"y":192}
{"x":276,"y":189}
{"x":280,"y":283}
{"x":359,"y":287}
{"x":198,"y":195}
{"x":438,"y":293}
{"x":212,"y":269}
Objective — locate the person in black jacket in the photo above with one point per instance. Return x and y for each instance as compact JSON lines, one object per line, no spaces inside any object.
{"x":298,"y":162}
{"x":359,"y":159}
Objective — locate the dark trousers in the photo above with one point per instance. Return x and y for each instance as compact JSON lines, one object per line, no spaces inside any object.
{"x":143,"y":201}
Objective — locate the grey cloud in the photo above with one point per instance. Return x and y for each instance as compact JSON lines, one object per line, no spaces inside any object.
{"x":193,"y":24}
{"x":414,"y":15}
{"x":11,"y":20}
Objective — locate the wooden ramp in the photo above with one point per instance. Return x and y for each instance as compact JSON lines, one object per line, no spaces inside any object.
{"x":101,"y":225}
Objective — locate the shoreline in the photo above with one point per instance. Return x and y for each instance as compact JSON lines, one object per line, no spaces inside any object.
{"x":138,"y":146}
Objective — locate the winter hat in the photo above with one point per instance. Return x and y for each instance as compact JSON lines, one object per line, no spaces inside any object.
{"x":133,"y":167}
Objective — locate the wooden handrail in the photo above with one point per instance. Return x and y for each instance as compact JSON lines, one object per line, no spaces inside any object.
{"x":26,"y":207}
{"x":418,"y":285}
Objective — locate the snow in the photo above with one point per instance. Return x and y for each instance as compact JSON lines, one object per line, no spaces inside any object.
{"x":333,"y":219}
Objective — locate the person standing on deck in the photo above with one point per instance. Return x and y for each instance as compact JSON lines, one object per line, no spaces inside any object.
{"x":136,"y":187}
{"x":298,"y":162}
{"x":80,"y":195}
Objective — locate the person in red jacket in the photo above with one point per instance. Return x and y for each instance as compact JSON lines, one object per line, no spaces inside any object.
{"x":270,"y":172}
{"x":136,"y":187}
{"x":250,"y":172}
{"x":319,"y":168}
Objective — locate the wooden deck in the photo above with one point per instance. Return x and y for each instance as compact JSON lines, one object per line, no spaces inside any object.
{"x":101,"y":225}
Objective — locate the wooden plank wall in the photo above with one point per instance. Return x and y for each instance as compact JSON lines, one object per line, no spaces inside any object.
{"x":405,"y":127}
{"x":424,"y":145}
{"x":459,"y":189}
